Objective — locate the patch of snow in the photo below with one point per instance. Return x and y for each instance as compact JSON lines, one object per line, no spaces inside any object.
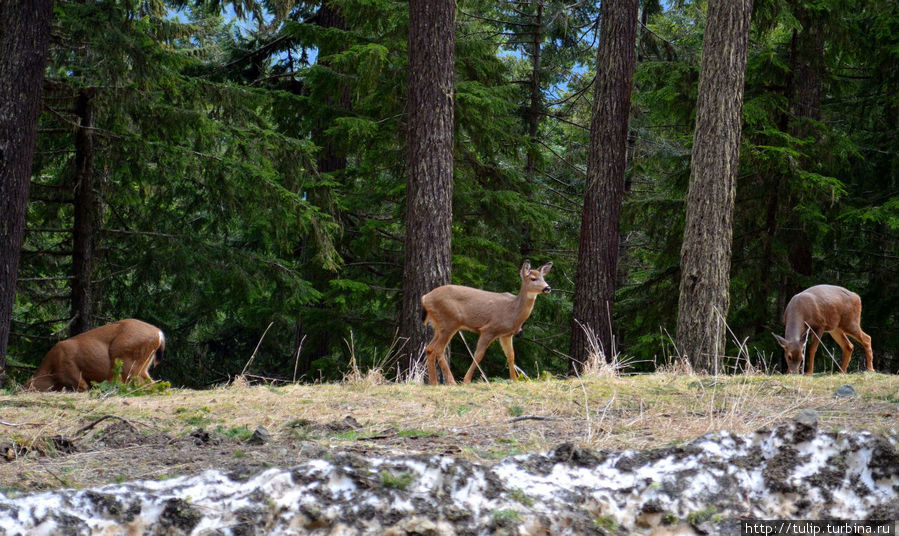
{"x":787,"y":472}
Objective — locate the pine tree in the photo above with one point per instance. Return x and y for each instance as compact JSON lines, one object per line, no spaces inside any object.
{"x":706,"y":250}
{"x":24,"y":35}
{"x":429,"y":176}
{"x":594,"y":294}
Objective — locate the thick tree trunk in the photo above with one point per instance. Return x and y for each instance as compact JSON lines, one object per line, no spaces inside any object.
{"x":85,"y":218}
{"x":594,"y":291}
{"x":708,"y":229}
{"x":429,"y":166}
{"x":24,"y":35}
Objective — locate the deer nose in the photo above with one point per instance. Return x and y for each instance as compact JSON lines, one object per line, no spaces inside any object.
{"x":547,"y":290}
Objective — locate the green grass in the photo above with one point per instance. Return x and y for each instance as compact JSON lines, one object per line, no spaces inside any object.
{"x":400,"y":480}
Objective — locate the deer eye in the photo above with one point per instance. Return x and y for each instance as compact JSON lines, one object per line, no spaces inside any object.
{"x":533,"y":278}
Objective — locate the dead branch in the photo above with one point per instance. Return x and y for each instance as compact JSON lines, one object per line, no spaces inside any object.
{"x":533,"y":418}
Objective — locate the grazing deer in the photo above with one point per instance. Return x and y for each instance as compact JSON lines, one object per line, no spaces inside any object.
{"x":490,"y":314}
{"x":818,"y":309}
{"x":89,"y":357}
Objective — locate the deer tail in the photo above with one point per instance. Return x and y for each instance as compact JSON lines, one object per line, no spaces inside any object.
{"x":160,"y":351}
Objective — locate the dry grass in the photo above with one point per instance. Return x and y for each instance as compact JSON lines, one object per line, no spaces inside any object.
{"x":480,"y":421}
{"x":630,"y":411}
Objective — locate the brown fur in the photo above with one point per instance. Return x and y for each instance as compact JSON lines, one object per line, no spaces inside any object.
{"x":490,"y":314}
{"x":74,"y":363}
{"x":819,"y":309}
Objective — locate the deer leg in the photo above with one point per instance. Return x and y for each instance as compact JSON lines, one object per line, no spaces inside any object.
{"x":68,"y":377}
{"x":483,"y":342}
{"x":865,"y":339}
{"x":435,"y":350}
{"x":840,"y":336}
{"x":444,"y":366}
{"x":506,"y":343}
{"x":815,"y":340}
{"x":144,"y":372}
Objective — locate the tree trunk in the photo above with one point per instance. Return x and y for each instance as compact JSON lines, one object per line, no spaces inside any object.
{"x":85,"y":217}
{"x":24,"y":35}
{"x":594,"y":291}
{"x":807,"y":72}
{"x":533,"y":113}
{"x":429,"y":166}
{"x":329,"y":161}
{"x":708,"y":229}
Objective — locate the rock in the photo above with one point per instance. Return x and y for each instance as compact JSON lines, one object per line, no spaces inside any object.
{"x":260,"y":436}
{"x":807,"y":417}
{"x":845,"y":391}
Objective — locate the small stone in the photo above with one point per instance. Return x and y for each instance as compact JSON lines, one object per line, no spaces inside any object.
{"x":807,"y":417}
{"x":260,"y":436}
{"x":845,"y":391}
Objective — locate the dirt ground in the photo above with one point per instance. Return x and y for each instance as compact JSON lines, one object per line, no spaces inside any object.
{"x":79,"y":440}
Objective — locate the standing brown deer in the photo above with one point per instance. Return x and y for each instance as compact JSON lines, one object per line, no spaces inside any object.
{"x":490,"y":314}
{"x":818,"y":309}
{"x":89,"y":357}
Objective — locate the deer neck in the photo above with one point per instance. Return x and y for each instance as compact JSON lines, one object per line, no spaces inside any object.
{"x":795,"y":328}
{"x":524,"y":304}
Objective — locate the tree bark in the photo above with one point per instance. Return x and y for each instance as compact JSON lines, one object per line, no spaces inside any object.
{"x":708,"y":229}
{"x":429,"y":166}
{"x":594,"y":291}
{"x":85,"y":217}
{"x":329,"y":158}
{"x":24,"y":35}
{"x":533,"y":112}
{"x":807,"y":72}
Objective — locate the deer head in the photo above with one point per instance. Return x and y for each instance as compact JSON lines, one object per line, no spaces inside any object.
{"x":794,"y":351}
{"x":532,"y":281}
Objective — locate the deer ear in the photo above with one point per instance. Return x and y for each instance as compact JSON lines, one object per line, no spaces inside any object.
{"x":525,"y":268}
{"x":545,"y":268}
{"x":780,"y":340}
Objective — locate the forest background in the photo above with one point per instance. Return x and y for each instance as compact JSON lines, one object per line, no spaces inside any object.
{"x":235,"y":175}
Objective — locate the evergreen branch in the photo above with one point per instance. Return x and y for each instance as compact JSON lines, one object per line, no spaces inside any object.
{"x":498,"y":21}
{"x":142,"y":233}
{"x":558,"y":117}
{"x":577,"y":94}
{"x":264,"y":48}
{"x":657,"y":36}
{"x":581,"y":172}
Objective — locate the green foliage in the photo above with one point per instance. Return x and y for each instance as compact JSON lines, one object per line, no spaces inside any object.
{"x":606,"y":523}
{"x":241,"y":433}
{"x":133,"y":387}
{"x":506,"y":516}
{"x":400,"y":480}
{"x":522,"y":497}
{"x":699,"y":517}
{"x":250,"y":175}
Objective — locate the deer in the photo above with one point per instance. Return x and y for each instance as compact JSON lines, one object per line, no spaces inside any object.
{"x":491,"y":315}
{"x":815,"y":310}
{"x":72,"y":364}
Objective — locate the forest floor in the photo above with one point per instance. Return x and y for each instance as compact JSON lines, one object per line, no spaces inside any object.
{"x":78,"y":440}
